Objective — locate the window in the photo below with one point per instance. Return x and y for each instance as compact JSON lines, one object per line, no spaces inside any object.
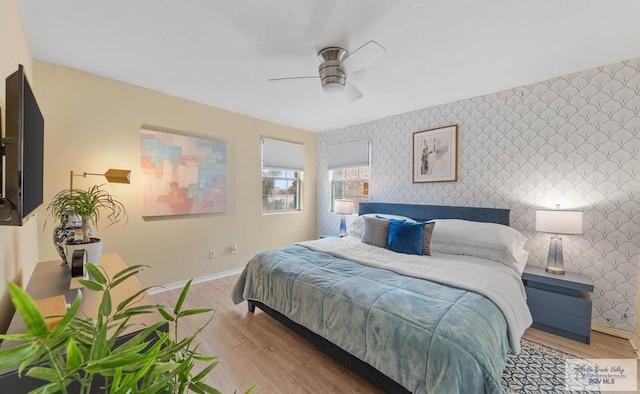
{"x":350,"y":184}
{"x":349,"y":172}
{"x":282,"y":172}
{"x":280,"y":190}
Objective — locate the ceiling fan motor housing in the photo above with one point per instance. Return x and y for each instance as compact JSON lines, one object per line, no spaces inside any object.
{"x":332,"y":77}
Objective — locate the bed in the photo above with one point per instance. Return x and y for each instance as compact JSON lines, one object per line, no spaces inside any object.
{"x":406,"y":322}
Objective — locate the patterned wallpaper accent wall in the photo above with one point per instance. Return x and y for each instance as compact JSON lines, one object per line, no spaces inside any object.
{"x":573,"y":141}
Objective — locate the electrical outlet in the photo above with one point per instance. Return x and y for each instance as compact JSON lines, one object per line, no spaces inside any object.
{"x":212,"y":254}
{"x":233,"y":249}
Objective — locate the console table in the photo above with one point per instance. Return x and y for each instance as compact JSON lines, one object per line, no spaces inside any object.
{"x":50,"y":279}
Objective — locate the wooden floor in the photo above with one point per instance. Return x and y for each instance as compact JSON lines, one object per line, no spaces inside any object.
{"x":256,"y":349}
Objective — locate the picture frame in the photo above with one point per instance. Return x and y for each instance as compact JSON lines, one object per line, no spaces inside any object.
{"x":435,"y":155}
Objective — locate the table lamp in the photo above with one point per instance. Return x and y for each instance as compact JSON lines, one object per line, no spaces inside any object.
{"x":343,"y":207}
{"x":557,"y":221}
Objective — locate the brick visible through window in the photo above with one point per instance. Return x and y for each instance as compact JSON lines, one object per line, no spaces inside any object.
{"x":350,"y":184}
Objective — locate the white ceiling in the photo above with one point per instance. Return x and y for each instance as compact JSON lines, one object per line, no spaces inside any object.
{"x":221,"y":53}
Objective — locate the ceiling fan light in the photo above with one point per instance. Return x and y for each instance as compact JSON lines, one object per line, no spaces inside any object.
{"x":333,"y":87}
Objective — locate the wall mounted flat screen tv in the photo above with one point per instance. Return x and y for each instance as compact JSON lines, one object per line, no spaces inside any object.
{"x":23,"y":147}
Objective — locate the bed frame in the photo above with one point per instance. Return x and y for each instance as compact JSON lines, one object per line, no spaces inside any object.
{"x":418,"y":212}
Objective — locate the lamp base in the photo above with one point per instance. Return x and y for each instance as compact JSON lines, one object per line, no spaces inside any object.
{"x":555,"y":260}
{"x":555,"y":270}
{"x":343,"y":227}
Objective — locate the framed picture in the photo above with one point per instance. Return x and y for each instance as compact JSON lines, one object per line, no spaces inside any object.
{"x":182,"y":175}
{"x":435,"y":155}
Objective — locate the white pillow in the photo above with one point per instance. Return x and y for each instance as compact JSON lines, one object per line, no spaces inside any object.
{"x":485,"y":240}
{"x":354,"y":228}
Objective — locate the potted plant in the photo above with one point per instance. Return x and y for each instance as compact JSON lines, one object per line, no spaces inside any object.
{"x":90,"y":205}
{"x":80,"y":354}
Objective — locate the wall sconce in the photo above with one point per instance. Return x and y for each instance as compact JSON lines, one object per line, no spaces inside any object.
{"x":343,"y":207}
{"x":558,"y":222}
{"x":112,"y":176}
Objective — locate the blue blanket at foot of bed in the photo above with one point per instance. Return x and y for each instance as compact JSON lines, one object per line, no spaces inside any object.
{"x":428,"y":337}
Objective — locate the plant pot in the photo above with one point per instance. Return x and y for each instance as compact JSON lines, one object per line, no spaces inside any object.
{"x":65,"y":231}
{"x":93,"y":248}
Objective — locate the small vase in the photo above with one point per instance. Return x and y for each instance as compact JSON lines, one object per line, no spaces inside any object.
{"x":65,"y":232}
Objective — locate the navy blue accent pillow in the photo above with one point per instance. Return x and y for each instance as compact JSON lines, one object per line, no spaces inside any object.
{"x":405,"y":237}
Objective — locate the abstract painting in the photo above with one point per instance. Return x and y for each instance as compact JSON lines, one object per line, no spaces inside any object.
{"x":182,"y":175}
{"x":435,"y":155}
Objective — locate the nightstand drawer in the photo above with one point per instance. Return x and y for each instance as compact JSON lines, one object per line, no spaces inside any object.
{"x":576,"y":306}
{"x":560,"y":320}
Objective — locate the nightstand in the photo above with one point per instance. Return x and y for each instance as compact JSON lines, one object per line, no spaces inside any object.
{"x":559,"y":304}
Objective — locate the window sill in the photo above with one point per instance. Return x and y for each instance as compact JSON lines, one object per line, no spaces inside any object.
{"x":268,"y":213}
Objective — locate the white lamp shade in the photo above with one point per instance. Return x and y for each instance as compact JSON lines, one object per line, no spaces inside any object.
{"x":559,"y":222}
{"x":343,"y":207}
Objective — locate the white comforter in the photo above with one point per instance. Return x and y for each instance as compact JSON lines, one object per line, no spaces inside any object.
{"x":496,"y":281}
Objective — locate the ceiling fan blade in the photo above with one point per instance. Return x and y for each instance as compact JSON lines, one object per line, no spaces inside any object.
{"x":352,"y":93}
{"x":367,"y":54}
{"x":287,"y":79}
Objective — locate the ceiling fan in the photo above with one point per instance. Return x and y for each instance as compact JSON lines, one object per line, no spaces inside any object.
{"x":337,"y":63}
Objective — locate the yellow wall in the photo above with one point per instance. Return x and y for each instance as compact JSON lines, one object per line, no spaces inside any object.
{"x":18,"y":253}
{"x":93,"y":124}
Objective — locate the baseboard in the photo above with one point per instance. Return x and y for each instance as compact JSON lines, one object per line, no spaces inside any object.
{"x":200,"y":279}
{"x":616,"y":332}
{"x":636,"y":344}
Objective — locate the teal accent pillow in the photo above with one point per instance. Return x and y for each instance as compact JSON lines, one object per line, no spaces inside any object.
{"x":405,"y":237}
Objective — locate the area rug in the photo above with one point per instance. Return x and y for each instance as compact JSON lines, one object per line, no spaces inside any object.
{"x":537,"y":369}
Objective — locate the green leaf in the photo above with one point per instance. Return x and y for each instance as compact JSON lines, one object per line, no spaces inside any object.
{"x":136,"y":310}
{"x":28,"y":311}
{"x":183,"y":295}
{"x":49,"y":388}
{"x":137,"y":268}
{"x":139,"y":337}
{"x":250,"y":389}
{"x":43,"y":373}
{"x":121,"y":279}
{"x":74,"y":356}
{"x":105,"y":305}
{"x":62,"y":325}
{"x":207,"y":389}
{"x":89,"y":284}
{"x":201,"y":357}
{"x":205,"y":371}
{"x":194,"y":387}
{"x":96,"y":274}
{"x":159,"y":383}
{"x":13,"y":356}
{"x":99,"y":343}
{"x":99,"y":363}
{"x":165,"y":314}
{"x":16,"y":337}
{"x":130,"y":299}
{"x":195,"y":311}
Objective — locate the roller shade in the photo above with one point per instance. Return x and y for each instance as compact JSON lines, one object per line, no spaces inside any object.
{"x":352,"y":154}
{"x":282,"y":155}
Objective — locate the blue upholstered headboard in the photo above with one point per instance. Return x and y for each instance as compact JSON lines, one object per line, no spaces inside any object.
{"x":428,"y":212}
